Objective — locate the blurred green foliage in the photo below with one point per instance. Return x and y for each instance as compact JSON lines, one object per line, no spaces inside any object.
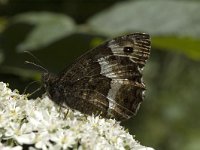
{"x":58,"y":31}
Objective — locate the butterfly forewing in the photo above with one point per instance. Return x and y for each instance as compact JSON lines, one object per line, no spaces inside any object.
{"x":107,"y":80}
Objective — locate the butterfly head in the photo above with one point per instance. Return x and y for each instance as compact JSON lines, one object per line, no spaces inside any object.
{"x":53,"y":88}
{"x":48,"y":79}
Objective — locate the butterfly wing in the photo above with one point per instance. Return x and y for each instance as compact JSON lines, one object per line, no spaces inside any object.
{"x":108,"y":79}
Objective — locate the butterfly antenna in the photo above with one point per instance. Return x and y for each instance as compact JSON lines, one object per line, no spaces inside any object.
{"x":31,"y":83}
{"x":31,"y":54}
{"x":38,"y":89}
{"x":39,"y":65}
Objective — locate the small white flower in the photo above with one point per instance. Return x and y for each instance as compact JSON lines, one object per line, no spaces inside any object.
{"x":3,"y":118}
{"x":46,"y":126}
{"x":12,"y":148}
{"x":42,"y":140}
{"x":15,"y":130}
{"x":64,"y":138}
{"x":26,"y":138}
{"x":3,"y":147}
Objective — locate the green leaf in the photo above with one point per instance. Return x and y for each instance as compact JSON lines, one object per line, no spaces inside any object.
{"x":155,"y":17}
{"x":48,"y":28}
{"x":3,"y":23}
{"x":1,"y":56}
{"x":188,"y":46}
{"x":172,"y":24}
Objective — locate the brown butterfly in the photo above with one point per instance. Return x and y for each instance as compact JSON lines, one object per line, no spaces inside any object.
{"x":106,"y":80}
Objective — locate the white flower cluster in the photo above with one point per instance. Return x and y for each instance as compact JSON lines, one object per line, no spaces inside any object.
{"x":40,"y":124}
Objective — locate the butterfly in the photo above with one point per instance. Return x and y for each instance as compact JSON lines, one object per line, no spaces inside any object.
{"x":106,"y":80}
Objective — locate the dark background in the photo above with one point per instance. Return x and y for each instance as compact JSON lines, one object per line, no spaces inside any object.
{"x":58,"y":31}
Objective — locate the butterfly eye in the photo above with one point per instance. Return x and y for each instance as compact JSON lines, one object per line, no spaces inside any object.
{"x":128,"y":49}
{"x":138,"y":38}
